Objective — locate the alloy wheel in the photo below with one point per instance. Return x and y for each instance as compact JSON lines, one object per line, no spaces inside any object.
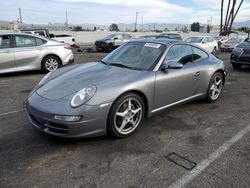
{"x":51,"y":64}
{"x":128,"y":116}
{"x":216,"y":87}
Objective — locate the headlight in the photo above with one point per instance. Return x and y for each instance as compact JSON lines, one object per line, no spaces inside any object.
{"x":83,"y":96}
{"x":44,"y":79}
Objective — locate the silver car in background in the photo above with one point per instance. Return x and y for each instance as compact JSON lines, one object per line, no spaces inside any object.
{"x":21,"y":52}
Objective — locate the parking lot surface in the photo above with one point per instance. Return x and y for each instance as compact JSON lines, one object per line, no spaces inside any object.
{"x":214,"y":137}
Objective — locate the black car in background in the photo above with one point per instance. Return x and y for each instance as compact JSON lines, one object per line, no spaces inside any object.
{"x":241,"y":55}
{"x":175,"y":36}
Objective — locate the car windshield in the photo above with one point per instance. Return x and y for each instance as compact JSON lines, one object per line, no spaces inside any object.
{"x":233,"y":40}
{"x":194,"y":39}
{"x":109,"y":37}
{"x":136,"y":55}
{"x":217,"y":38}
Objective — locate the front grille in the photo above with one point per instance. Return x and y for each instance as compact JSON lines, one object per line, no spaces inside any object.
{"x":50,"y":126}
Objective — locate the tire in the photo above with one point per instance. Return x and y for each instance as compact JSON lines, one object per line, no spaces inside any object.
{"x":124,"y":119}
{"x":110,"y":48}
{"x":215,"y":87}
{"x":50,"y":63}
{"x":236,"y":66}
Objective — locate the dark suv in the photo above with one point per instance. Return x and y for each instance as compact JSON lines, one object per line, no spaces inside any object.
{"x":110,"y":42}
{"x":241,"y":54}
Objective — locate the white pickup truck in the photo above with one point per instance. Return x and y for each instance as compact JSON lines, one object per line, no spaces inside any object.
{"x":69,"y":39}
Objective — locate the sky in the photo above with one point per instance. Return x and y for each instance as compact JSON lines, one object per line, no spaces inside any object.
{"x":104,"y":12}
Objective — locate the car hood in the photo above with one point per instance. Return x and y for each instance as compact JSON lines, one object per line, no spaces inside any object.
{"x":244,"y":45}
{"x":71,"y":80}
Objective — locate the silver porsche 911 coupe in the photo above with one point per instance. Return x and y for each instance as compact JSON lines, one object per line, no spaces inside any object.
{"x":114,"y":95}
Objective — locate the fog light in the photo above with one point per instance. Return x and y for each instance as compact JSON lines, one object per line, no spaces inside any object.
{"x":67,"y":118}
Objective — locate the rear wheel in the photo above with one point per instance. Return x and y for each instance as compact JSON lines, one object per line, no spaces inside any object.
{"x":50,"y":63}
{"x":126,"y":115}
{"x":236,"y":66}
{"x":215,"y":87}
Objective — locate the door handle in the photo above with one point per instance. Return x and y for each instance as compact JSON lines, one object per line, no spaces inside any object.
{"x":197,"y":73}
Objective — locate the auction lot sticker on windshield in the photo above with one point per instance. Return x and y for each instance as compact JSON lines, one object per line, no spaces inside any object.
{"x":152,"y":45}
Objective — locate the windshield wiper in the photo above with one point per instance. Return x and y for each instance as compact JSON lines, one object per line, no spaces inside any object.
{"x":120,"y":65}
{"x":103,"y":62}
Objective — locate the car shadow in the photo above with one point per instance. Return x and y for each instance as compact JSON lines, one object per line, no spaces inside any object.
{"x":23,"y":73}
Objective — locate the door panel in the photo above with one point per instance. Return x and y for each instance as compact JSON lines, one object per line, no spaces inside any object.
{"x":6,"y":54}
{"x":173,"y":85}
{"x":6,"y":60}
{"x":176,"y":84}
{"x":29,"y":57}
{"x":26,"y":52}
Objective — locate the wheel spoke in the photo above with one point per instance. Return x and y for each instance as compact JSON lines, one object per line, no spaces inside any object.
{"x":122,"y":114}
{"x":136,"y":111}
{"x":129,"y":105}
{"x":132,"y":122}
{"x":213,"y":93}
{"x":124,"y":123}
{"x":217,"y":82}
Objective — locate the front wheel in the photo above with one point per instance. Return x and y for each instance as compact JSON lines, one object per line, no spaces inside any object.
{"x":110,"y":48}
{"x":215,"y":87}
{"x":126,"y":115}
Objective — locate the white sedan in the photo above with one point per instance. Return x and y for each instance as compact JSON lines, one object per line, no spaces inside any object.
{"x":205,"y":42}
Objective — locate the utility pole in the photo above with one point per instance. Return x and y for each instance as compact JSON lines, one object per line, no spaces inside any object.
{"x":66,"y":23}
{"x":20,"y":16}
{"x":142,"y":23}
{"x":136,"y":15}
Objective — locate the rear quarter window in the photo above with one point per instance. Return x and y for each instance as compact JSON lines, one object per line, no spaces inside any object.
{"x":40,"y":42}
{"x":4,"y":41}
{"x":199,"y":54}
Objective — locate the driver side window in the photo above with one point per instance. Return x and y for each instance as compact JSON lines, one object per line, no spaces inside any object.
{"x":180,"y":53}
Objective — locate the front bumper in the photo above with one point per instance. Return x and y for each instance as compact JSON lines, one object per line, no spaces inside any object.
{"x":226,"y":49}
{"x":240,"y":58}
{"x":41,"y":116}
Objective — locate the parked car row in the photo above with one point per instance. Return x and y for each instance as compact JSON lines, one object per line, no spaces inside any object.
{"x":206,"y":42}
{"x":110,"y":42}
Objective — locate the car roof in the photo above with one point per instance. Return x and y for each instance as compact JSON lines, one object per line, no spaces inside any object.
{"x":25,"y":34}
{"x":164,"y":41}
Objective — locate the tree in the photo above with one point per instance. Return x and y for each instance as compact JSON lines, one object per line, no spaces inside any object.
{"x":208,"y":29}
{"x":77,"y":28}
{"x":231,"y":13}
{"x":195,"y":27}
{"x":113,"y":27}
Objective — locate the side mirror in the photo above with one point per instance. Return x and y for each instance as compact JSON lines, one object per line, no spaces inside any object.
{"x":171,"y":65}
